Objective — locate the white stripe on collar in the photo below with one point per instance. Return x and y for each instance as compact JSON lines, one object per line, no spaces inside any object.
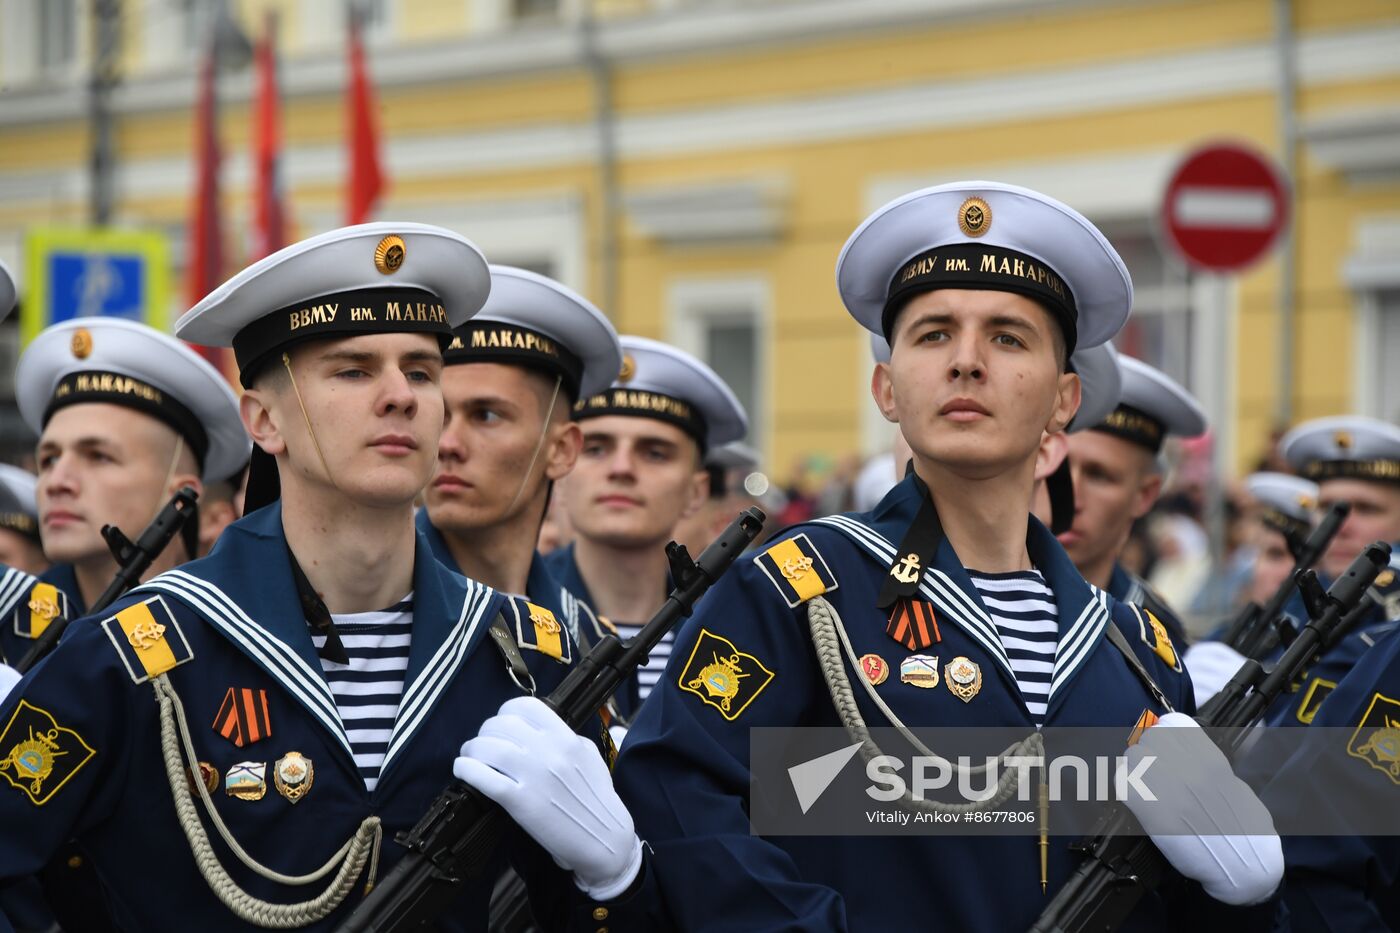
{"x":1075,"y":643}
{"x":936,"y":585}
{"x":283,"y":663}
{"x":1078,"y":643}
{"x":13,"y":585}
{"x":419,"y":696}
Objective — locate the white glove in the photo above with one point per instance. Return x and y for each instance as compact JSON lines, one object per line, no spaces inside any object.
{"x":555,"y":784}
{"x":1206,"y":821}
{"x":1211,"y":664}
{"x":8,"y":678}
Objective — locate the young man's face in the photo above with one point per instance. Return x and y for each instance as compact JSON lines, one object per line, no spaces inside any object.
{"x":1114,"y":484}
{"x":101,"y":464}
{"x":488,"y":468}
{"x":375,"y":402}
{"x":1273,"y":562}
{"x":974,"y":380}
{"x":635,"y":479}
{"x":1375,"y":516}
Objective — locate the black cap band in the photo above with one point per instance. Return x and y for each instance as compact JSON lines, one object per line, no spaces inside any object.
{"x":118,"y":389}
{"x":1284,"y":523}
{"x":1135,"y":426}
{"x":342,"y":314}
{"x":972,"y":265}
{"x":499,"y":342}
{"x":20,"y":523}
{"x":1381,"y":470}
{"x":643,"y":404}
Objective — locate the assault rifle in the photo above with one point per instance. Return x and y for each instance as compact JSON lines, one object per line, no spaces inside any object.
{"x":133,"y":559}
{"x":456,"y":838}
{"x":1123,"y":865}
{"x":1249,"y":632}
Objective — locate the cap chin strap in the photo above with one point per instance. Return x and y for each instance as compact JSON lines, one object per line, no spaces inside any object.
{"x":189,"y":531}
{"x":287,"y":362}
{"x":539,"y":445}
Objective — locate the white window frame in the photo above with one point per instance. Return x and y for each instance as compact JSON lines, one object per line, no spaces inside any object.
{"x":1373,"y":268}
{"x":694,"y":304}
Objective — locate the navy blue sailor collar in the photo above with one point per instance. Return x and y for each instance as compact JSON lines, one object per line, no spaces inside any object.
{"x":451,"y":616}
{"x":1083,"y":609}
{"x":541,"y":586}
{"x":1121,"y":584}
{"x":566,"y":571}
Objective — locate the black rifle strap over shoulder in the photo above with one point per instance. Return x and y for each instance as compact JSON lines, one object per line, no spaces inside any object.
{"x":1115,"y":636}
{"x":504,"y":641}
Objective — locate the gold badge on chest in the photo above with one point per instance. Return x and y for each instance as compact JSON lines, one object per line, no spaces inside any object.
{"x":292,"y":775}
{"x":963,"y":678}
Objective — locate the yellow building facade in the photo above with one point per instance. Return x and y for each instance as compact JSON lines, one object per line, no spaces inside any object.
{"x":695,"y":167}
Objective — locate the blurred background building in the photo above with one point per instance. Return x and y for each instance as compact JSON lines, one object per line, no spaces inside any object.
{"x":694,"y":167}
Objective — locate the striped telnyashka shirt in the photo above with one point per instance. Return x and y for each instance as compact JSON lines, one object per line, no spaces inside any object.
{"x":1023,"y":607}
{"x":649,"y":673}
{"x":367,"y":690}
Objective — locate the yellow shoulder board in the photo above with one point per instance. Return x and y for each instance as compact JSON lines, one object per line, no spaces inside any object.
{"x":542,"y":632}
{"x":1160,"y":642}
{"x":148,"y":639}
{"x":797,"y":569}
{"x":46,"y":602}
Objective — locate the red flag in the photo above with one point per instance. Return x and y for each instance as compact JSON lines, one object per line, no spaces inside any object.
{"x":366,"y":179}
{"x":205,"y":270}
{"x":270,"y":218}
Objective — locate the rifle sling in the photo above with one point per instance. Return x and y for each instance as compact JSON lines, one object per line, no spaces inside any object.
{"x":504,"y":641}
{"x":1115,"y":636}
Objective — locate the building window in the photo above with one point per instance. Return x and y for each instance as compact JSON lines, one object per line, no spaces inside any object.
{"x":534,"y":9}
{"x":58,"y":35}
{"x":1385,"y":352}
{"x":1161,"y":329}
{"x":723,"y":323}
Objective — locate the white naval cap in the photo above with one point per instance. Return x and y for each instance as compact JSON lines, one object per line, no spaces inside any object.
{"x":371,"y":278}
{"x":736,"y":455}
{"x":123,"y":362}
{"x":1100,"y":382}
{"x":1152,"y":406}
{"x":660,"y":381}
{"x":1288,"y":502}
{"x":19,"y":510}
{"x":879,"y":348}
{"x":534,"y":321}
{"x":1344,"y":447}
{"x":723,"y":460}
{"x":986,"y":235}
{"x":7,"y":292}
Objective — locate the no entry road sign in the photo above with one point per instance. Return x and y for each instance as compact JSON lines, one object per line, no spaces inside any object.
{"x":1225,"y":207}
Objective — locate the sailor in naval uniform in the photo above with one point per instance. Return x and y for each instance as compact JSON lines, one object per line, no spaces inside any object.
{"x":512,"y":375}
{"x":1117,"y":477}
{"x":1285,"y":507}
{"x":125,"y":415}
{"x":640,"y":473}
{"x":1357,"y":460}
{"x":946,"y":604}
{"x":20,"y":544}
{"x":239,"y":741}
{"x":1346,"y":768}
